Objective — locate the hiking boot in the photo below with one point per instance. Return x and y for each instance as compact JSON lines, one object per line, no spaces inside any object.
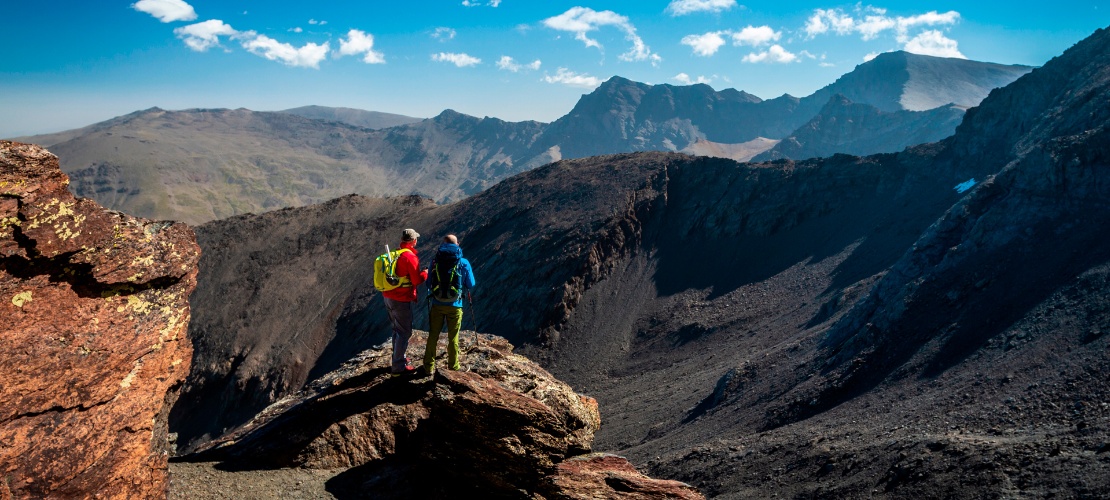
{"x":424,"y":372}
{"x":409,"y":369}
{"x":461,"y":369}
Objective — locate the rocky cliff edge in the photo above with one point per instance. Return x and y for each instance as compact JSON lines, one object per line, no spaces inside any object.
{"x":503,"y":427}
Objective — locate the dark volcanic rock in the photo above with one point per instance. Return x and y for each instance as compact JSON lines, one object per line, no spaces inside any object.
{"x":504,"y":427}
{"x":95,"y":312}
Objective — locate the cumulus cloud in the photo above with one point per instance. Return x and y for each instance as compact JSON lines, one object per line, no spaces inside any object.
{"x":870,"y":56}
{"x":756,"y":36}
{"x":298,"y":29}
{"x":458,"y":59}
{"x":166,"y":10}
{"x":358,"y":42}
{"x":934,"y":43}
{"x":313,"y":21}
{"x":443,"y":33}
{"x":873,"y":21}
{"x":582,"y":20}
{"x":509,"y":64}
{"x":773,"y":54}
{"x":683,"y":7}
{"x":685,"y":79}
{"x":932,"y":18}
{"x":572,"y":79}
{"x":707,"y":44}
{"x":308,"y":56}
{"x":204,"y":35}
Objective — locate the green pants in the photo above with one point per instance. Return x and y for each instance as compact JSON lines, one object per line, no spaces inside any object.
{"x":438,"y":316}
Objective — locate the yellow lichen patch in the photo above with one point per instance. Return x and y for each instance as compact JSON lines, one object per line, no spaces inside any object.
{"x":143,"y":261}
{"x":9,"y":222}
{"x":131,"y":376}
{"x":21,"y":298}
{"x":138,"y":305}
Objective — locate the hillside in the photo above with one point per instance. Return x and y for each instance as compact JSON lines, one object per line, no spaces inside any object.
{"x":860,"y":129}
{"x":360,"y":118}
{"x":843,"y":327}
{"x":200,"y":165}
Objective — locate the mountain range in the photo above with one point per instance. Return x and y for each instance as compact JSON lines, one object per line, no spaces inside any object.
{"x":925,"y":323}
{"x":200,"y":165}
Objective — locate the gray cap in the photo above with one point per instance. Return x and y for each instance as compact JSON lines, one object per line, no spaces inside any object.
{"x":409,"y":235}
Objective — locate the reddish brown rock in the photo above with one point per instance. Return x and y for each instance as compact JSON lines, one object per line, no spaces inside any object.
{"x":95,"y":313}
{"x":601,"y":475}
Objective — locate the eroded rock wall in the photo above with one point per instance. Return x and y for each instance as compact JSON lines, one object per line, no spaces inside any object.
{"x":94,"y":308}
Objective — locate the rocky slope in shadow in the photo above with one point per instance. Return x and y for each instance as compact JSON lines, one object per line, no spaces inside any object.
{"x":501,"y":428}
{"x":95,"y":312}
{"x":839,"y":327}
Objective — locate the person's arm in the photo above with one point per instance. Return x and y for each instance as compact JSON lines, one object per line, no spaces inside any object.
{"x":416,"y":275}
{"x":468,"y":276}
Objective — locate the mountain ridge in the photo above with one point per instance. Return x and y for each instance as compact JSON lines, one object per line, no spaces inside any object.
{"x":183,"y":165}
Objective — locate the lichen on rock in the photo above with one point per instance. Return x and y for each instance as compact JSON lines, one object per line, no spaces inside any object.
{"x":95,"y":308}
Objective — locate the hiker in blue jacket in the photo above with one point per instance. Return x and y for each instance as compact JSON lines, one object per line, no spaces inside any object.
{"x":449,"y":277}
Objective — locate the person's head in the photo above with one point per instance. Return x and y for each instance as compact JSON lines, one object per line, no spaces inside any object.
{"x":409,"y":235}
{"x":451,"y":239}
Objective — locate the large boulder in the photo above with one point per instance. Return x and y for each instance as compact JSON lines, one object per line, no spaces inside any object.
{"x":95,"y":313}
{"x":503,"y":426}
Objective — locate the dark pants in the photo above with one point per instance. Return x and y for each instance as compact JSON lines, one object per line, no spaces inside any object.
{"x":400,"y":315}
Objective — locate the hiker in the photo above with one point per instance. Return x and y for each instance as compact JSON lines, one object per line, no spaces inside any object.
{"x":449,"y":277}
{"x":399,"y":301}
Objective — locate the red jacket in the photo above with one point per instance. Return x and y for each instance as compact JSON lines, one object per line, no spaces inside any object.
{"x":408,"y":264}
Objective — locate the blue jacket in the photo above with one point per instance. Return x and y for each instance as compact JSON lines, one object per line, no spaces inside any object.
{"x":465,"y":272}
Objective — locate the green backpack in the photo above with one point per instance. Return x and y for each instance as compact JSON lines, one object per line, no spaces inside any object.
{"x":385,"y":270}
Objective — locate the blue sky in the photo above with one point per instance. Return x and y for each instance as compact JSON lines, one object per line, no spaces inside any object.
{"x":69,"y":64}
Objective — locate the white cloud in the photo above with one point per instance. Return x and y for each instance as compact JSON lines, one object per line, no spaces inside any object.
{"x":358,"y":42}
{"x":443,"y":33}
{"x":683,"y":7}
{"x":773,"y":54}
{"x":870,"y":56}
{"x":296,"y":30}
{"x":685,"y":79}
{"x":872,"y":26}
{"x":509,"y":64}
{"x":313,"y":21}
{"x":308,"y":56}
{"x":581,"y":20}
{"x":707,"y":44}
{"x":166,"y":10}
{"x":204,"y":35}
{"x":873,"y":22}
{"x":934,"y":43}
{"x":572,"y":79}
{"x":756,"y":36}
{"x":931,"y":18}
{"x":461,"y":60}
{"x":494,"y":3}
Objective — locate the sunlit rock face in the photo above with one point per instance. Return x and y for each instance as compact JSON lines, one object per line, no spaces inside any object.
{"x":94,"y":308}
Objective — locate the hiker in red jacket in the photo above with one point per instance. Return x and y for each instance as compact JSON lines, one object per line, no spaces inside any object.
{"x":399,"y":301}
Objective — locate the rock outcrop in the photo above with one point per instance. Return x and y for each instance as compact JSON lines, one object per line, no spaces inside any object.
{"x":95,"y":314}
{"x":504,"y":426}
